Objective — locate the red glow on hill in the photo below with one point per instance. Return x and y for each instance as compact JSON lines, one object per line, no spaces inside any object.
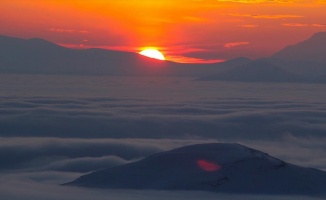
{"x":208,"y":166}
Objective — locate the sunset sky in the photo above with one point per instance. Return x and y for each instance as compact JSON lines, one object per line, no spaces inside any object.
{"x":184,"y":30}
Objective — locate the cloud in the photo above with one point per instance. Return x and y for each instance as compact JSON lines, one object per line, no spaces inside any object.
{"x":318,"y":25}
{"x":295,"y":24}
{"x":268,"y":1}
{"x":132,"y":118}
{"x":185,"y":59}
{"x":303,"y":25}
{"x":84,"y":164}
{"x":257,"y":16}
{"x":78,"y":155}
{"x":59,"y":30}
{"x":195,"y":19}
{"x":235,"y":44}
{"x":249,"y":25}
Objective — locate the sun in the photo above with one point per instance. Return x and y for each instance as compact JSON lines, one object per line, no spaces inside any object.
{"x":152,"y":53}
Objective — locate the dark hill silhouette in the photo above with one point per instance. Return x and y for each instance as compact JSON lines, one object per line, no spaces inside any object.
{"x":257,"y":71}
{"x":226,"y":168}
{"x":312,"y":49}
{"x":304,"y":62}
{"x":306,"y":59}
{"x":38,"y":56}
{"x":42,"y":57}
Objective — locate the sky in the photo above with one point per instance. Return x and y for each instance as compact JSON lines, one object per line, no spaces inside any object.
{"x":183,"y":30}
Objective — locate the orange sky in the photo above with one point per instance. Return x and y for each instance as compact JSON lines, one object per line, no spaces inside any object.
{"x":184,"y":30}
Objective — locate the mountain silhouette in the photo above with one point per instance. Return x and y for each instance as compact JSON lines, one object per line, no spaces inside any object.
{"x":216,"y":167}
{"x":312,"y":49}
{"x":304,"y":62}
{"x":38,"y":56}
{"x":256,"y":71}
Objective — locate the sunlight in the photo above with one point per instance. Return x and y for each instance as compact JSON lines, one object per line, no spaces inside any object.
{"x":152,"y":53}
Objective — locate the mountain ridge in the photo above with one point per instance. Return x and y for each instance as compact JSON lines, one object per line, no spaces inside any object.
{"x":304,"y":62}
{"x":38,"y":56}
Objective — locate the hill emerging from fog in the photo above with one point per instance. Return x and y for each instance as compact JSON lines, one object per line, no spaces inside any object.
{"x":225,"y":168}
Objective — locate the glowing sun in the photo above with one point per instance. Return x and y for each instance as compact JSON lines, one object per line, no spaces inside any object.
{"x":152,"y":53}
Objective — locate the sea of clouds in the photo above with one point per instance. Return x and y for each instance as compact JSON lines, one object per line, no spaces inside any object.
{"x":55,"y":128}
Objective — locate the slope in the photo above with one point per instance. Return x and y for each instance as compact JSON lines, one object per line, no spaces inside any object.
{"x":227,"y":168}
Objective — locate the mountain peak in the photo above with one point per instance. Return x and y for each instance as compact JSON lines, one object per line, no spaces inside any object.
{"x":319,"y":35}
{"x":220,"y":152}
{"x":215,"y":167}
{"x":312,"y":49}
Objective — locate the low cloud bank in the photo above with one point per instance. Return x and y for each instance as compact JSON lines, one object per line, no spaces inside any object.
{"x":78,"y":155}
{"x":130,"y":118}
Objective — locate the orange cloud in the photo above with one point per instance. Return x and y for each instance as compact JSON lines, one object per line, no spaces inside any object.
{"x":318,"y":25}
{"x":58,"y":30}
{"x":234,"y":44}
{"x":195,"y":19}
{"x":249,"y":25}
{"x":269,"y":1}
{"x":265,"y":16}
{"x":303,"y":25}
{"x":295,"y":24}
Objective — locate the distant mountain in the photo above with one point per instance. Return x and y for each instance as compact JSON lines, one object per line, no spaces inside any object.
{"x":313,"y":49}
{"x":256,"y":71}
{"x":38,"y":56}
{"x":304,"y":62}
{"x":225,"y":168}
